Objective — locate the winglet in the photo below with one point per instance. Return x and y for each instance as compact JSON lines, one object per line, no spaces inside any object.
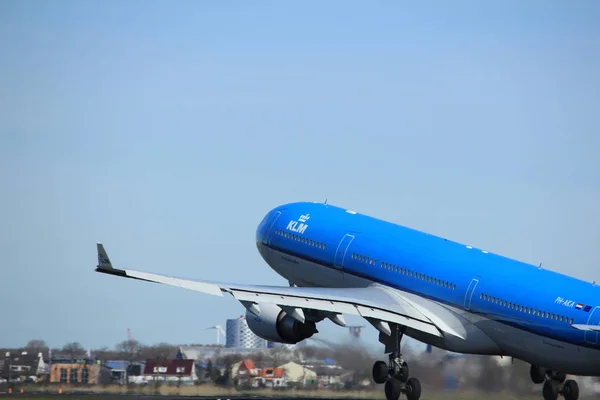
{"x":103,"y":260}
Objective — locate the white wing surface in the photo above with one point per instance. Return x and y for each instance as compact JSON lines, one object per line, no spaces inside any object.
{"x":377,"y":304}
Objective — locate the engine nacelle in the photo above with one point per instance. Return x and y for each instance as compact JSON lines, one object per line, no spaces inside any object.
{"x":275,"y":325}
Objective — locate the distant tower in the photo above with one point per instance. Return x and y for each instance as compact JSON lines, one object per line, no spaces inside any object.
{"x":239,"y":335}
{"x":355,"y":330}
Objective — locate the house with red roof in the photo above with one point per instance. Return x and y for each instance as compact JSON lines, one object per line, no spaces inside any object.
{"x":271,"y":377}
{"x":246,"y":373}
{"x":170,"y":370}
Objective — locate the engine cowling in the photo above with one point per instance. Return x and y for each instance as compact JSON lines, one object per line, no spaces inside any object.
{"x":275,"y":325}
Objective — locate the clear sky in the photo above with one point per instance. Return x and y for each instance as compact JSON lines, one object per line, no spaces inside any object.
{"x":167,"y":130}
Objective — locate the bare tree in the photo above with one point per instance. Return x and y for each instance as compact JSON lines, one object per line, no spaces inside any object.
{"x":104,"y":353}
{"x":226,"y":379}
{"x":73,"y":350}
{"x":131,"y":348}
{"x":278,"y":354}
{"x":36,"y":346}
{"x":161,"y":350}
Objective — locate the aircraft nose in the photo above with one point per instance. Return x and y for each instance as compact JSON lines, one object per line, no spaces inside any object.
{"x":263,"y":229}
{"x":260,"y":230}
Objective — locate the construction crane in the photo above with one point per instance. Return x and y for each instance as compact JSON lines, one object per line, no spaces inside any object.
{"x":220,"y":331}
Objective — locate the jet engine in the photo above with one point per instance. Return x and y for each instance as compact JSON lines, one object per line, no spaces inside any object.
{"x":276,"y":325}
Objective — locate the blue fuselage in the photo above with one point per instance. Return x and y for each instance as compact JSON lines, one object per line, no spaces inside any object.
{"x":511,"y":292}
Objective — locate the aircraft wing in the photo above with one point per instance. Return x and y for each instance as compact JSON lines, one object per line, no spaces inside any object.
{"x":582,"y":327}
{"x":377,"y":304}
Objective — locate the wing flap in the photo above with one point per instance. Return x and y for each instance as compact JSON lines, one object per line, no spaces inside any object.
{"x":382,"y":315}
{"x":337,"y":307}
{"x":293,"y":301}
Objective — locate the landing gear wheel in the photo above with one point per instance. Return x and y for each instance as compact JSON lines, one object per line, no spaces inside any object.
{"x":398,"y":372}
{"x":570,"y":390}
{"x":413,"y":389}
{"x":393,"y":388}
{"x":380,"y":372}
{"x":537,"y":374}
{"x":551,"y":390}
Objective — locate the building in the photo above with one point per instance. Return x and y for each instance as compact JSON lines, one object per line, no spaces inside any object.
{"x":83,"y":371}
{"x":272,"y":377}
{"x":123,"y":372}
{"x":170,"y":370}
{"x":248,"y":373}
{"x":213,"y":353}
{"x":333,"y":376}
{"x":23,"y":365}
{"x":118,"y":371}
{"x":244,"y":373}
{"x":239,"y":335}
{"x":298,"y":374}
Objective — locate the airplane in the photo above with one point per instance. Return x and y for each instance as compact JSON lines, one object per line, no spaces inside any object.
{"x":407,"y":282}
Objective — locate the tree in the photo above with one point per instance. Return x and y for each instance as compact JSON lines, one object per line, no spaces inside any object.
{"x":104,"y":353}
{"x":227,"y":361}
{"x":36,"y":346}
{"x":210,"y":374}
{"x":73,"y":350}
{"x":131,"y":348}
{"x":158,"y":351}
{"x":225,"y":378}
{"x":278,"y":354}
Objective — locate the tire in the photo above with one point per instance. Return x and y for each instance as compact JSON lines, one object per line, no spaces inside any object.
{"x":380,"y":372}
{"x":571,"y":390}
{"x":413,"y":389}
{"x":551,"y":389}
{"x":393,"y":389}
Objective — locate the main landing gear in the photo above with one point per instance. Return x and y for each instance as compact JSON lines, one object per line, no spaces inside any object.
{"x":555,"y":383}
{"x":395,"y":373}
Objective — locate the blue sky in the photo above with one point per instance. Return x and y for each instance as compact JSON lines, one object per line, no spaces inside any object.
{"x":167,"y":130}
